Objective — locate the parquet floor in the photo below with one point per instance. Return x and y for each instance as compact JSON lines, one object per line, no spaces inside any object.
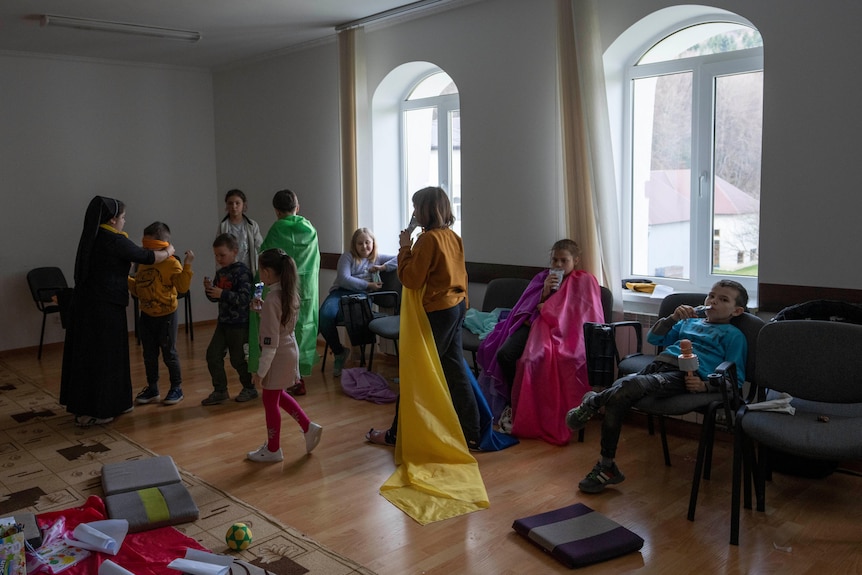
{"x":809,"y":527}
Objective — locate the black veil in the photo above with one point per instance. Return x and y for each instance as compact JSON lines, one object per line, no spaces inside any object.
{"x":100,"y":211}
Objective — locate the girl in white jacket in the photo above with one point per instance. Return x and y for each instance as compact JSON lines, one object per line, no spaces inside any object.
{"x":279,"y":365}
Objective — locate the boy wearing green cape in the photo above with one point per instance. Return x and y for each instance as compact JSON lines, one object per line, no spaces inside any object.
{"x":298,"y":238}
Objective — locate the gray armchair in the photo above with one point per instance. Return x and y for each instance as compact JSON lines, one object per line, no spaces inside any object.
{"x":819,"y":365}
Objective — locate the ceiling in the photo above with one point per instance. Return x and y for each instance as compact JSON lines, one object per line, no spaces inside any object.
{"x":232,"y":30}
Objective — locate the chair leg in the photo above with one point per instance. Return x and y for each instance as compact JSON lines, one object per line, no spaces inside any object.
{"x":581,"y":435}
{"x":664,"y":446}
{"x":371,"y":355}
{"x":137,"y":313}
{"x":190,"y":324}
{"x":323,"y":360}
{"x":704,"y":453}
{"x":736,"y":481}
{"x":760,"y":470}
{"x":362,"y":355}
{"x":42,"y":336}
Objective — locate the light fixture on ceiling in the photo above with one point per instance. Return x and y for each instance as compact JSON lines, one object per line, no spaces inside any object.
{"x":120,"y":27}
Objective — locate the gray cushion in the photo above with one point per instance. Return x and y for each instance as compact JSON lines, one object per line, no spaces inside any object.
{"x":138,"y":474}
{"x":153,"y":507}
{"x":677,"y":404}
{"x":838,"y":439}
{"x":388,"y":327}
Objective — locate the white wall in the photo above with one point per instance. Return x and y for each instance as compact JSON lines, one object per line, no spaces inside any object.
{"x":276,"y":124}
{"x":72,"y":129}
{"x":171,"y":142}
{"x":502,"y":56}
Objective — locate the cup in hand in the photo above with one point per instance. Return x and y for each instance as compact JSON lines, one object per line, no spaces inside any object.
{"x":558,"y":272}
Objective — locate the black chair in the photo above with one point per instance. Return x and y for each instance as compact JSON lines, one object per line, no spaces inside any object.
{"x":387,"y":301}
{"x":819,"y":365}
{"x":500,"y":293}
{"x":728,"y":397}
{"x":45,"y":283}
{"x":386,"y":322}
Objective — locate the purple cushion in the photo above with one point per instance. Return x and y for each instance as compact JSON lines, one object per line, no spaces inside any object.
{"x":577,"y":536}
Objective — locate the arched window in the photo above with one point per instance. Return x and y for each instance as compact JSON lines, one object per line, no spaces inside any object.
{"x":695,"y":101}
{"x":431,"y":139}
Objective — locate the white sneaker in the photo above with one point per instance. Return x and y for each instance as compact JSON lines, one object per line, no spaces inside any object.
{"x":312,"y":436}
{"x":506,"y":420}
{"x":264,"y":455}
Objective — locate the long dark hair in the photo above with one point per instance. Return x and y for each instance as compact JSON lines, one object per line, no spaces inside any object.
{"x":284,"y":267}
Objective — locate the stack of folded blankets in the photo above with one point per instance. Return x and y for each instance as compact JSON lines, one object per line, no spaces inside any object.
{"x":148,"y":493}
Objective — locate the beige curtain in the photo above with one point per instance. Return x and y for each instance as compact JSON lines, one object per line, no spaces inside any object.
{"x":347,"y":54}
{"x":592,"y":216}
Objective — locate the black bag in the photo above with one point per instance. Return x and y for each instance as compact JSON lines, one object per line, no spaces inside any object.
{"x":822,"y":309}
{"x":357,"y":315}
{"x":601,"y":352}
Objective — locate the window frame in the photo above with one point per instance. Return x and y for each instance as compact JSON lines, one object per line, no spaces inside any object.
{"x":704,"y":70}
{"x":445,"y":105}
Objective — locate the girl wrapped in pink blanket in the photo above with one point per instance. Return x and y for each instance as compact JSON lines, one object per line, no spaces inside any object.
{"x":536,"y":357}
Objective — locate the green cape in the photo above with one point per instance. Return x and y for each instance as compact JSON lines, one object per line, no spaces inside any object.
{"x":298,"y":238}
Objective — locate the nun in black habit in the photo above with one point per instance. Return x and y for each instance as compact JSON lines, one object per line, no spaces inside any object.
{"x":96,"y":382}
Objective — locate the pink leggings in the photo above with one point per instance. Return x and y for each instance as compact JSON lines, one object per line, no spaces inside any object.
{"x":273,"y":399}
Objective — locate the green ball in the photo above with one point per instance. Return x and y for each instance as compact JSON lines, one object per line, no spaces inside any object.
{"x":238,"y":537}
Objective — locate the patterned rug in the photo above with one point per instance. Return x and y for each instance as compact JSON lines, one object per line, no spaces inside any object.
{"x":48,"y":464}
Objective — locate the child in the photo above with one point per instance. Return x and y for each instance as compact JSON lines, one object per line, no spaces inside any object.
{"x":714,"y":340}
{"x":436,"y":263}
{"x":279,"y":355}
{"x":297,"y":237}
{"x":231,"y":288}
{"x":354,"y":274}
{"x":548,"y":320}
{"x":156,"y":287}
{"x":244,"y":229}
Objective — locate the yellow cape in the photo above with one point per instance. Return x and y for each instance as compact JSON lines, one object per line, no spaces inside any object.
{"x":437,"y":477}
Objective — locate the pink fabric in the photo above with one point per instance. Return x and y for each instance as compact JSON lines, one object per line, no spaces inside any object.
{"x":144,"y":553}
{"x":551,"y":375}
{"x":274,"y":400}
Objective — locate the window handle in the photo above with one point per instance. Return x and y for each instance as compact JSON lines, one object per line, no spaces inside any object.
{"x":704,"y":179}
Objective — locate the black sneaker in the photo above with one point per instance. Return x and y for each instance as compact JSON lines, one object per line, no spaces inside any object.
{"x":147,"y":395}
{"x":600,"y":476}
{"x":174,"y":396}
{"x":578,"y":417}
{"x":247,"y":394}
{"x":215,"y":398}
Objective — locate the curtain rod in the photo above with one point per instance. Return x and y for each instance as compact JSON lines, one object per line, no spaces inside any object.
{"x":387,"y":14}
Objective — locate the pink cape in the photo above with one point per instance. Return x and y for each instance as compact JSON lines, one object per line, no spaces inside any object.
{"x":551,"y":376}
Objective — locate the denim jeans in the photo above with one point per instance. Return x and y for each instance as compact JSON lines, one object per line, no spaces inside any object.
{"x":657,"y":379}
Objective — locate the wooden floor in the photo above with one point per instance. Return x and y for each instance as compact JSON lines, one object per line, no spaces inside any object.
{"x":332,"y":495}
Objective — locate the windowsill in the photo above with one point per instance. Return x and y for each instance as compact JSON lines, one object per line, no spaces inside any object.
{"x":640,"y":303}
{"x":644,"y":303}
